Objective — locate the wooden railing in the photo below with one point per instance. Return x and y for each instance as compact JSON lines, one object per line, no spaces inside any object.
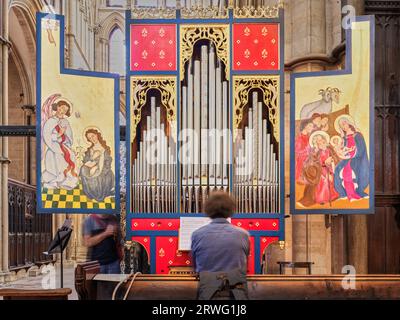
{"x":29,"y":233}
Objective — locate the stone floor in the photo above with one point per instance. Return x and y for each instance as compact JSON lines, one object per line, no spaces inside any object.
{"x":46,"y":281}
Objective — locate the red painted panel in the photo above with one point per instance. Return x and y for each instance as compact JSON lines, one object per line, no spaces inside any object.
{"x":153,"y":47}
{"x":255,"y":46}
{"x":260,"y":224}
{"x":265,"y":242}
{"x":250,"y":261}
{"x":155,"y":224}
{"x":167,"y":254}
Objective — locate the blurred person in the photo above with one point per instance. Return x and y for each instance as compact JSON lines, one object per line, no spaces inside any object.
{"x":102,"y":235}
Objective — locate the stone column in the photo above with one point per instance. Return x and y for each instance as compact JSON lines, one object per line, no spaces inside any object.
{"x":4,"y":161}
{"x":309,"y":239}
{"x":70,"y":32}
{"x":80,"y":253}
{"x":357,"y":243}
{"x":102,"y":47}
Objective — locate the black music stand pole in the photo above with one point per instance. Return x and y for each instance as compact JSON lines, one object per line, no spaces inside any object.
{"x":59,"y":244}
{"x":62,"y":261}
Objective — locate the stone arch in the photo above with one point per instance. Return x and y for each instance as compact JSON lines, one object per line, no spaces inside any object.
{"x":22,"y":80}
{"x":29,"y":8}
{"x":27,"y":86}
{"x":22,"y":20}
{"x":106,"y":27}
{"x":110,"y":23}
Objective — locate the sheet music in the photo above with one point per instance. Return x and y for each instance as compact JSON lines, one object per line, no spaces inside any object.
{"x":187,"y":227}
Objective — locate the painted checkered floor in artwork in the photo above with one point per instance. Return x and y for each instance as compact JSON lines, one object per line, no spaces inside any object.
{"x":73,"y":199}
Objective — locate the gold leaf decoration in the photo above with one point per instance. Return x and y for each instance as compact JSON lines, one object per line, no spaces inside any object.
{"x":200,"y":12}
{"x":269,"y":85}
{"x":153,"y":13}
{"x":259,"y":12}
{"x":218,"y":34}
{"x":139,"y":88}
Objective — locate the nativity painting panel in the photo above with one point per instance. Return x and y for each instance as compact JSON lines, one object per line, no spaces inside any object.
{"x":332,"y":134}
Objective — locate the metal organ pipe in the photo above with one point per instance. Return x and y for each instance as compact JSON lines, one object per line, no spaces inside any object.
{"x":257,"y":186}
{"x":154,"y":184}
{"x":204,"y":123}
{"x":212,"y":122}
{"x":207,"y":107}
{"x":184,"y":143}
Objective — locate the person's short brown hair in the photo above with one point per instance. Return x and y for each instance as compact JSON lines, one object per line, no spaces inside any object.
{"x":219,"y":205}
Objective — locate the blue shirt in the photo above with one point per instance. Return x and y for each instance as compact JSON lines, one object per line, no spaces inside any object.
{"x":220,"y":247}
{"x":105,"y":251}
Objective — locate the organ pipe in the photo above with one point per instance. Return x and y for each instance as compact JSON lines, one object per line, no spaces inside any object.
{"x":205,"y":103}
{"x":154,"y":184}
{"x":257,"y":165}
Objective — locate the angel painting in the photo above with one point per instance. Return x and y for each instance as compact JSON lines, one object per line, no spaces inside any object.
{"x":59,"y":164}
{"x":97,"y":177}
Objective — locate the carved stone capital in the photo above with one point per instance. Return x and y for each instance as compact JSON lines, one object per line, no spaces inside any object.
{"x":4,"y":41}
{"x":4,"y":160}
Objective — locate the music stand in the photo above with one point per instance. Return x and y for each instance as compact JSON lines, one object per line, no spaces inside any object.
{"x":59,"y":243}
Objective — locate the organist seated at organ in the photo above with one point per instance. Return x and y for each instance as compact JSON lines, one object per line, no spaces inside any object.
{"x":220,"y":251}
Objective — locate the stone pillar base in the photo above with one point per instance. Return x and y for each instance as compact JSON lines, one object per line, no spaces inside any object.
{"x":6,"y":277}
{"x":66,"y":263}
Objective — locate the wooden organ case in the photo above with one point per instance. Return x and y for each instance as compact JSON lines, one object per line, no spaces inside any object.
{"x":213,"y":76}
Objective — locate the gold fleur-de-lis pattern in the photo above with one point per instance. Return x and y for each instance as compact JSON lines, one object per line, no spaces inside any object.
{"x":153,"y":47}
{"x":170,"y":256}
{"x":256,"y":46}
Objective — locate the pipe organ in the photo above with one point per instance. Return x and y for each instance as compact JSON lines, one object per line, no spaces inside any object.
{"x":205,"y":113}
{"x":205,"y":100}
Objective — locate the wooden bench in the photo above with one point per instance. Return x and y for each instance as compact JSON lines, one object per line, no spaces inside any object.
{"x":294,"y":265}
{"x":92,"y":286}
{"x":21,"y":294}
